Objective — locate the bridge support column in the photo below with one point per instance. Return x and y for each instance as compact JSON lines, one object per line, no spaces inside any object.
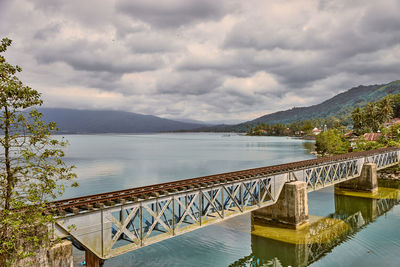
{"x":367,"y":182}
{"x":92,"y":260}
{"x":291,"y":209}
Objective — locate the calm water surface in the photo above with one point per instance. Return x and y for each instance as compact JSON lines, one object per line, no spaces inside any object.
{"x":112,"y":162}
{"x":366,"y":235}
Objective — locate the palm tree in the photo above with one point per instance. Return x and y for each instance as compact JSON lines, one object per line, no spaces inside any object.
{"x":372,"y":116}
{"x":386,"y":109}
{"x":358,"y":119}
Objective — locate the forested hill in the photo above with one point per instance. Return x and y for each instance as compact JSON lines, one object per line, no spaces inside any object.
{"x":339,"y":106}
{"x":107,"y":121}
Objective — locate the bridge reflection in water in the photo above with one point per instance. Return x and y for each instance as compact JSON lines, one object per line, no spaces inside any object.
{"x":273,"y":246}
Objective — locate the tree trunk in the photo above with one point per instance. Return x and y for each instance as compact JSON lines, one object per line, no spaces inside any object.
{"x":9,"y":176}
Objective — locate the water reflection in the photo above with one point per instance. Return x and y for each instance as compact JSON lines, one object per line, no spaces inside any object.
{"x":273,"y":246}
{"x":309,"y":146}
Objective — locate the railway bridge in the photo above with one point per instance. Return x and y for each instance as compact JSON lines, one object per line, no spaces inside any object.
{"x":113,"y":223}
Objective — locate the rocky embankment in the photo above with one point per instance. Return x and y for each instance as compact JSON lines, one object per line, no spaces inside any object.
{"x":392,"y":173}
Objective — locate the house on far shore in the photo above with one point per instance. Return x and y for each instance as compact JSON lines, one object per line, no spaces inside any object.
{"x":372,"y":136}
{"x":316,"y":131}
{"x":369,"y":137}
{"x":298,"y":132}
{"x":351,"y":136}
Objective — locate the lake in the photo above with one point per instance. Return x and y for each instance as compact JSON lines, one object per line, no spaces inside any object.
{"x":112,"y":162}
{"x":344,"y":230}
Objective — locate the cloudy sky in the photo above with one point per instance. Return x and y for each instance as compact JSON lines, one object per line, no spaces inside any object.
{"x":210,"y":60}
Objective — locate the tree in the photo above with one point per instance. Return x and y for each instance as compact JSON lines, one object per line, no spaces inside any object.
{"x":32,"y":169}
{"x":295,"y":127}
{"x":394,"y":132}
{"x":332,"y":122}
{"x":331,"y":142}
{"x":386,"y":109}
{"x":363,"y":145}
{"x":358,"y":119}
{"x":396,"y":105}
{"x":372,"y":116}
{"x":307,"y":127}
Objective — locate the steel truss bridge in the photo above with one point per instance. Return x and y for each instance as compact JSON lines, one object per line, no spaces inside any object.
{"x":113,"y":223}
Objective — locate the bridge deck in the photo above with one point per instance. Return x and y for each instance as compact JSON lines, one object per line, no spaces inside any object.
{"x":116,"y":222}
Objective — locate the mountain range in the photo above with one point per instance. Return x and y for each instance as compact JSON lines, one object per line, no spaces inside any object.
{"x":339,"y":106}
{"x":106,"y":121}
{"x":109,"y":121}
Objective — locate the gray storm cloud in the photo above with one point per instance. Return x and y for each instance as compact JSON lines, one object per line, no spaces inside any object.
{"x":172,"y":13}
{"x":200,"y":59}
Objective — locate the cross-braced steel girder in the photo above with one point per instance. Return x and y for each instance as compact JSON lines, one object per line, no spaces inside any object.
{"x":332,"y":173}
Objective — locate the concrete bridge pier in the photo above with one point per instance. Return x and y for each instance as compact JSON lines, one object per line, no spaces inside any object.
{"x":92,"y":260}
{"x":367,"y":182}
{"x":291,"y":209}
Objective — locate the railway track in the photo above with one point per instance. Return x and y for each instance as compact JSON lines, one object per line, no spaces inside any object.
{"x":89,"y":202}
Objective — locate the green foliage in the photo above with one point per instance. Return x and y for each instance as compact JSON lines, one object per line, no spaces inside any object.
{"x":32,"y":169}
{"x":331,"y":143}
{"x":307,"y":126}
{"x":265,"y":129}
{"x":374,"y":114}
{"x":367,"y":119}
{"x":396,"y":105}
{"x":298,"y":128}
{"x":385,"y":107}
{"x":362,"y":145}
{"x":394,"y":132}
{"x":358,"y":119}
